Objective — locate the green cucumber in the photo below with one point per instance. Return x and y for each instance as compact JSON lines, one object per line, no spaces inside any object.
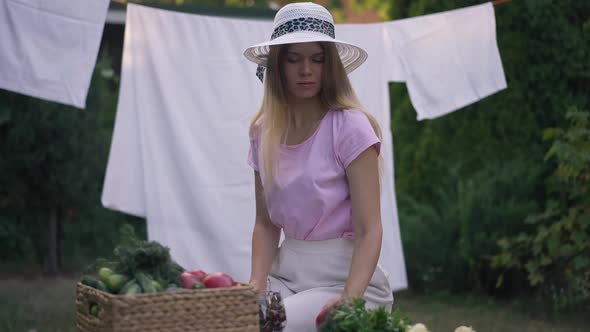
{"x":94,"y":310}
{"x":104,"y":273}
{"x":102,"y":287}
{"x":145,"y":283}
{"x":172,"y":288}
{"x":94,"y":283}
{"x":127,"y":286}
{"x":89,"y":281}
{"x":133,"y":289}
{"x":157,"y":286}
{"x":115,"y":282}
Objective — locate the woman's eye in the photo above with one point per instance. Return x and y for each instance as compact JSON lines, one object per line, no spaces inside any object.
{"x":295,"y":60}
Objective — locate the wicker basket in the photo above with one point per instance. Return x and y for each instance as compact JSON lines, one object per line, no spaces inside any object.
{"x":218,"y":309}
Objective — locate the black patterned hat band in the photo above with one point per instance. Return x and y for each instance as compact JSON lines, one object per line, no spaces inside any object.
{"x":304,"y":22}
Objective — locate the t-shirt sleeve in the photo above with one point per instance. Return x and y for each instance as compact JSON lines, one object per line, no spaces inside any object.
{"x":253,"y":150}
{"x":355,"y":135}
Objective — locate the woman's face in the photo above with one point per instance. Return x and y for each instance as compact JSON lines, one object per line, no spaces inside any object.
{"x":303,"y":64}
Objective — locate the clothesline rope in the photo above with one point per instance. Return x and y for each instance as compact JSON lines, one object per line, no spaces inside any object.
{"x":495,"y":3}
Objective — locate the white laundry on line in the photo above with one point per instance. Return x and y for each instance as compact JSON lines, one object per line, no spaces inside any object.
{"x":449,"y":60}
{"x":48,"y":49}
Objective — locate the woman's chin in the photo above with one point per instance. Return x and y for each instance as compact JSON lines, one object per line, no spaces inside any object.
{"x":308,"y":95}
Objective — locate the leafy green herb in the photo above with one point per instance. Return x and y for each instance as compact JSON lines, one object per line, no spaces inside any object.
{"x":352,"y":316}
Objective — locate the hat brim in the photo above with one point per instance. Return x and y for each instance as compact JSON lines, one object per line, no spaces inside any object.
{"x":351,"y":55}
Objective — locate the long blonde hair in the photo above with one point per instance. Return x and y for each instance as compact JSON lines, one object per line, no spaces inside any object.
{"x":336,"y":94}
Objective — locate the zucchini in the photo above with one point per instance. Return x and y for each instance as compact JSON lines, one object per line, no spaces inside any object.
{"x":145,"y":283}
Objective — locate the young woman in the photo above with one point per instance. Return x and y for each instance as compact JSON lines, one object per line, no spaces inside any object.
{"x":315,"y":155}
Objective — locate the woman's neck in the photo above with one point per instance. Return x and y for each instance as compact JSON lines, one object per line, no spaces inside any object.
{"x":305,"y":113}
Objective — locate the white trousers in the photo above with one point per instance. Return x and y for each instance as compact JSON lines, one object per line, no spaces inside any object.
{"x":309,"y":273}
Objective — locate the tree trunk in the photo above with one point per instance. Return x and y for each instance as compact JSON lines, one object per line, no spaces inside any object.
{"x":51,"y":267}
{"x":60,"y":238}
{"x":37,"y":235}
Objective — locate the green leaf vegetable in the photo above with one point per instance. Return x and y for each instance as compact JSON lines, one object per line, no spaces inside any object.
{"x":134,"y":256}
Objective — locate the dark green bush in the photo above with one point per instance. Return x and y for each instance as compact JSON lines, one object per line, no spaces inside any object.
{"x":554,"y":248}
{"x":477,"y":175}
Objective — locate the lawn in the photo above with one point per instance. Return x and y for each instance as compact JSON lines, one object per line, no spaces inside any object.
{"x":47,"y":305}
{"x":447,"y":312}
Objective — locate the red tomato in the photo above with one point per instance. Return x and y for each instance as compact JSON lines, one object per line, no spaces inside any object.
{"x":188,"y":280}
{"x":326,"y":310}
{"x":200,"y":274}
{"x":322,"y":316}
{"x":218,"y":280}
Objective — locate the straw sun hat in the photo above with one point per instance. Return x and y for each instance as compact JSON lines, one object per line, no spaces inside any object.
{"x":302,"y":23}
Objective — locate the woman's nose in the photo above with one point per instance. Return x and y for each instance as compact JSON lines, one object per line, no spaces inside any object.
{"x":306,"y":67}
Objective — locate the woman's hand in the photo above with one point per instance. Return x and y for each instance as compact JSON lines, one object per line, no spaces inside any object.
{"x":333,"y":302}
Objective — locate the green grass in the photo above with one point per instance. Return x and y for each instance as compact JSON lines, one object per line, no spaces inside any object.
{"x":37,"y":305}
{"x":447,"y":312}
{"x":47,"y":305}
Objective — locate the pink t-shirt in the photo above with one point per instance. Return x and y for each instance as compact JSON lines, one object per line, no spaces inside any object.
{"x":310,"y":197}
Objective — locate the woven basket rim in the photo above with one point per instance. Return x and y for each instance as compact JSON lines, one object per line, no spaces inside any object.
{"x":239,"y":286}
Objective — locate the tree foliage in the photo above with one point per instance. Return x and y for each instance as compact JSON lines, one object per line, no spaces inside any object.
{"x":52,"y":160}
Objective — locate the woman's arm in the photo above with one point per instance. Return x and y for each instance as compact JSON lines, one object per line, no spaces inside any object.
{"x":265,"y":240}
{"x":363,"y":180}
